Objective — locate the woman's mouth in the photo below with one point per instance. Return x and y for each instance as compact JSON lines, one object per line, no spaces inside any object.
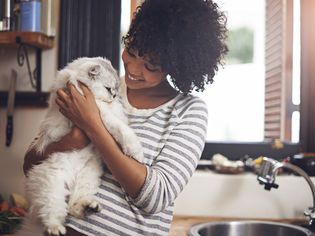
{"x":132,"y":78}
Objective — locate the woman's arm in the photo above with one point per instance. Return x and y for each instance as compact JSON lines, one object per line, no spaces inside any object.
{"x":128,"y":172}
{"x":76,"y":139}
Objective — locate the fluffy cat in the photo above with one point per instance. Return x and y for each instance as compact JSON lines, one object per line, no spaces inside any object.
{"x":75,"y":174}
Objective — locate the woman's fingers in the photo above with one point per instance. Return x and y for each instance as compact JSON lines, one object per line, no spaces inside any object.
{"x":63,"y":107}
{"x":86,"y":91}
{"x":62,"y":111}
{"x":72,"y":90}
{"x":62,"y":94}
{"x":75,"y":93}
{"x":61,"y":103}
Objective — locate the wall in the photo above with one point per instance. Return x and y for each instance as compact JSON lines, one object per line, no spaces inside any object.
{"x":307,"y":75}
{"x":221,"y":195}
{"x":26,"y":119}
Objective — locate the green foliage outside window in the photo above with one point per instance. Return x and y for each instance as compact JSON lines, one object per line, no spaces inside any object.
{"x":241,"y":46}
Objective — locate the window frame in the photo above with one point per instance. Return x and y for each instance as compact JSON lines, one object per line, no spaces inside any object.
{"x":307,"y":117}
{"x":238,"y":150}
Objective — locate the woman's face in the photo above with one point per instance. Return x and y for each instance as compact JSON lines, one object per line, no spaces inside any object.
{"x":139,"y":72}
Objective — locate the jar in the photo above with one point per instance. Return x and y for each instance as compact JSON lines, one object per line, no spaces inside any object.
{"x":30,"y":15}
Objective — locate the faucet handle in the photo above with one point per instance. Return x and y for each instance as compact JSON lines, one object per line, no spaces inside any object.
{"x":267,"y":182}
{"x":268,"y":186}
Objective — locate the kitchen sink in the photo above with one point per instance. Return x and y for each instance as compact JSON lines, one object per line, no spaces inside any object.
{"x":248,"y":228}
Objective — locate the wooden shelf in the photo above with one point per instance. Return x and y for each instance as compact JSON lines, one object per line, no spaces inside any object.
{"x":24,"y":99}
{"x":35,"y":39}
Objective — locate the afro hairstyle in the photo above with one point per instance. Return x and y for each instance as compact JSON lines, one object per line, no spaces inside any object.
{"x":187,"y":38}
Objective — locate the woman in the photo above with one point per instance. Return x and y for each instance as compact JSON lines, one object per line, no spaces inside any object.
{"x":172,"y":48}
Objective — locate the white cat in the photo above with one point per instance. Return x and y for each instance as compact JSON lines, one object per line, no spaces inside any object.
{"x":66,"y":182}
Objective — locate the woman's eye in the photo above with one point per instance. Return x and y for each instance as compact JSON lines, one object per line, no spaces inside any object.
{"x":151,"y":69}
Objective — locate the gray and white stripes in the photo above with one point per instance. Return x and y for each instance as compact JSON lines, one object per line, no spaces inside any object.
{"x":173,"y":137}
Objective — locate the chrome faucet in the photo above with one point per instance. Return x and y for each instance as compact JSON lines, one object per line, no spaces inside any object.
{"x":267,"y":176}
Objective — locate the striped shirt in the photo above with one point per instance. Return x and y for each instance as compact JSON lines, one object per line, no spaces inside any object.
{"x":173,"y":137}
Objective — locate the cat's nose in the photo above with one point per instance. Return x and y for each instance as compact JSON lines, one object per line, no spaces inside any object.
{"x":113,"y":92}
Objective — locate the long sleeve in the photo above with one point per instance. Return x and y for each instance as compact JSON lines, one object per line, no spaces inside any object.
{"x":175,"y":164}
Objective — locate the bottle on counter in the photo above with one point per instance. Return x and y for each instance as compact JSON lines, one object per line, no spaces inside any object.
{"x":30,"y":15}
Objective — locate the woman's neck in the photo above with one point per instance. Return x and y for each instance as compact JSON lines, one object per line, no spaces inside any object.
{"x":151,"y":97}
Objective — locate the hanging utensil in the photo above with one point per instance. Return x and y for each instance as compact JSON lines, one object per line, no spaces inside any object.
{"x":10,"y":107}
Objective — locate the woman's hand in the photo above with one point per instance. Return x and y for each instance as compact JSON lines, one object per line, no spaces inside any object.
{"x":80,"y":109}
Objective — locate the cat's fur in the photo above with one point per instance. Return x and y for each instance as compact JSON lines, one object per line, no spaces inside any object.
{"x":65,"y":182}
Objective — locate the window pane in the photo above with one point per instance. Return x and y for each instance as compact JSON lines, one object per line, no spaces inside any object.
{"x":296,"y":53}
{"x":295,"y":127}
{"x":236,"y":98}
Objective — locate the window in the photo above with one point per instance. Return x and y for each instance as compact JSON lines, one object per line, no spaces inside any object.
{"x":236,"y":98}
{"x":271,"y":102}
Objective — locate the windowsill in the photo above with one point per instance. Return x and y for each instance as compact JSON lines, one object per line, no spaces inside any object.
{"x":211,"y":194}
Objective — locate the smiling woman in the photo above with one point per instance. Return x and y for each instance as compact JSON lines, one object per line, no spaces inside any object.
{"x":137,"y":198}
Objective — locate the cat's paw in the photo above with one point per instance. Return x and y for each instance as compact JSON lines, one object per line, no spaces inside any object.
{"x":138,"y":156}
{"x":94,"y":206}
{"x":84,"y":206}
{"x":56,"y":230}
{"x":134,"y":150}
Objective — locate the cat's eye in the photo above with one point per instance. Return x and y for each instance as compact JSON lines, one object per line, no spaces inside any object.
{"x":111,"y":91}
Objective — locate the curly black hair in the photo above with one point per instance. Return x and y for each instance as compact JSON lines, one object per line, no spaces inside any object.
{"x":187,"y":38}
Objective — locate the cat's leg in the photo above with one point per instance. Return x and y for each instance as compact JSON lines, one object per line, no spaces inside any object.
{"x":46,"y":189}
{"x":82,"y":199}
{"x":123,"y":134}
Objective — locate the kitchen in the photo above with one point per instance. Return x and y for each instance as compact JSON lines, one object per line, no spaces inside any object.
{"x":209,"y":193}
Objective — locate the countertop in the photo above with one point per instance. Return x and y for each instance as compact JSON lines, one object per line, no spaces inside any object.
{"x":181,"y":224}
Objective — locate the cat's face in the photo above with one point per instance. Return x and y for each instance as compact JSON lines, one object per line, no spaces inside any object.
{"x":98,"y":74}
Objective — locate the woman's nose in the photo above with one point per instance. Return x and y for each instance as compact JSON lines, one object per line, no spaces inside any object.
{"x":135,"y":67}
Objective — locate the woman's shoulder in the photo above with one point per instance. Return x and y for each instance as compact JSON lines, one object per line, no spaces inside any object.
{"x":190,"y":103}
{"x":190,"y":100}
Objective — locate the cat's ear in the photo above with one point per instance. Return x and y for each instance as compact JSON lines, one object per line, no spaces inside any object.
{"x":94,"y":71}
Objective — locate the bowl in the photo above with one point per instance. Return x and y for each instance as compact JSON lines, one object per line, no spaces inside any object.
{"x":248,"y":228}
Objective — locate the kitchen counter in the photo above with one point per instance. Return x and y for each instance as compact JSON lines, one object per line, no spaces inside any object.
{"x":181,"y":224}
